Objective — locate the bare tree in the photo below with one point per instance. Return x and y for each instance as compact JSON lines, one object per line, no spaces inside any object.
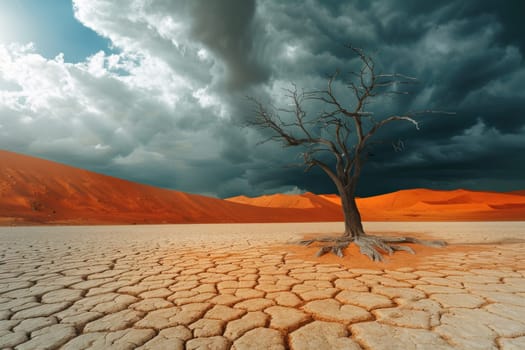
{"x":344,"y":132}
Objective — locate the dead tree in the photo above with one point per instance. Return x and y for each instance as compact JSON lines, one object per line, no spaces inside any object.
{"x":343,"y":131}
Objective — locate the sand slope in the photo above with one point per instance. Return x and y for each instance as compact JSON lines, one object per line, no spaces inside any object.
{"x":424,"y":204}
{"x":34,"y":190}
{"x":303,"y":201}
{"x":39,"y":191}
{"x":412,"y":205}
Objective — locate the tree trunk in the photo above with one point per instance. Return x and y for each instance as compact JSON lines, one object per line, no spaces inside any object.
{"x":353,"y":225}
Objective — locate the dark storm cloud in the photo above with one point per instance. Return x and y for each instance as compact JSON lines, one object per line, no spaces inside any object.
{"x":467,"y":56}
{"x":508,"y":15}
{"x":228,"y":29}
{"x":170,"y":107}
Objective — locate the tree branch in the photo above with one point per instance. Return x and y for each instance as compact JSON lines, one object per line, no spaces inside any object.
{"x":300,"y":129}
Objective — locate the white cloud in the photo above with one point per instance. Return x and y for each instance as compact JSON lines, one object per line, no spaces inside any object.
{"x":148,"y":104}
{"x":294,"y":190}
{"x":168,"y":97}
{"x":139,"y":156}
{"x":121,"y":104}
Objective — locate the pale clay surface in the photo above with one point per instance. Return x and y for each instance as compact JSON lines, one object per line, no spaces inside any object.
{"x":228,"y":286}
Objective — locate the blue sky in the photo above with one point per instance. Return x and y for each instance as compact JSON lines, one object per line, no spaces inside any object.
{"x":51,"y":26}
{"x":155,"y":91}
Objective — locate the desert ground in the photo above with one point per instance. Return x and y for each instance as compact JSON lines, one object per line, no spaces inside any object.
{"x":244,"y":286}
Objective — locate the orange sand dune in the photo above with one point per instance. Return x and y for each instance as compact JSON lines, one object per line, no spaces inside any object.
{"x":456,"y":205}
{"x":413,"y":205}
{"x":39,"y":191}
{"x":303,"y":201}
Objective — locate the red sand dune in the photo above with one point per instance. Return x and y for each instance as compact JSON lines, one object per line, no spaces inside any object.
{"x":414,"y":205}
{"x":303,"y":201}
{"x":423,"y":204}
{"x":38,"y":191}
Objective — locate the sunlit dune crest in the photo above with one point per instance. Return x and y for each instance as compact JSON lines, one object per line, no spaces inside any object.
{"x":419,"y":205}
{"x":38,"y":191}
{"x":303,"y":201}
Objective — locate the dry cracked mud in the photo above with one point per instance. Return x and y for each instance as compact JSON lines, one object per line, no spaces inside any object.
{"x":228,"y":286}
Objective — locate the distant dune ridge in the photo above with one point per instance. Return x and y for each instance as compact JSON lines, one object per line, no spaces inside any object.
{"x":38,"y":191}
{"x":413,"y":205}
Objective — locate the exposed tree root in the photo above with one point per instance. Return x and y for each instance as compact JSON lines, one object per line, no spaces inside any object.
{"x":369,"y":245}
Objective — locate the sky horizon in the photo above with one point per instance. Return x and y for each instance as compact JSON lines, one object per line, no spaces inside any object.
{"x":155,"y":91}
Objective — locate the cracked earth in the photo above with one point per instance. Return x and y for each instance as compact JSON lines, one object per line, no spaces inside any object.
{"x":241,"y":287}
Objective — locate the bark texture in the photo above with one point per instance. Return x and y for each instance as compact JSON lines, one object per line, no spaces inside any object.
{"x":353,"y":223}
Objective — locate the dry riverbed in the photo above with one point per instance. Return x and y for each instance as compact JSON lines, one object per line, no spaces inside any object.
{"x":242,"y":286}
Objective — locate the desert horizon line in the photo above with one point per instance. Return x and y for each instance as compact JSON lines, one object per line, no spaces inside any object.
{"x":39,"y":191}
{"x":290,"y":193}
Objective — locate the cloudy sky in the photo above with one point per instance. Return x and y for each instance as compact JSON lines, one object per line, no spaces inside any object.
{"x":155,"y":90}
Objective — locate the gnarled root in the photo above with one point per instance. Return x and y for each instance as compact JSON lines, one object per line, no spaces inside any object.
{"x":369,"y":245}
